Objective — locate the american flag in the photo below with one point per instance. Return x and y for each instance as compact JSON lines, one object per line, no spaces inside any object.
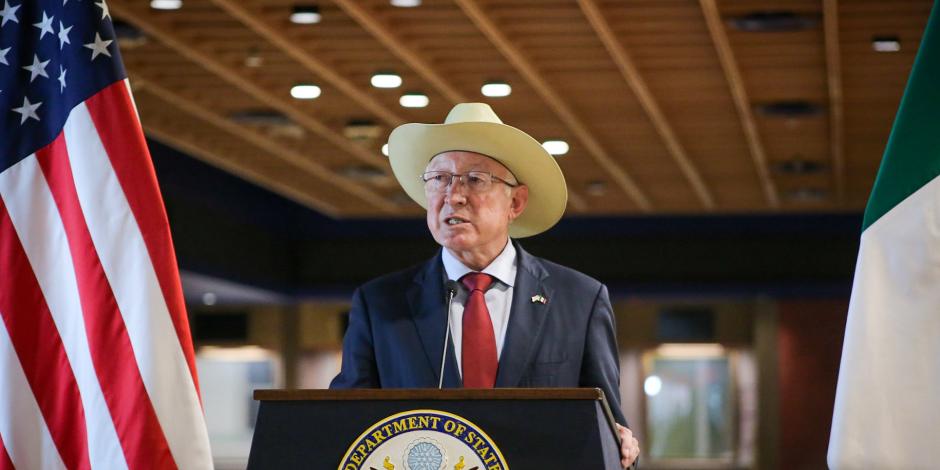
{"x":96,"y":361}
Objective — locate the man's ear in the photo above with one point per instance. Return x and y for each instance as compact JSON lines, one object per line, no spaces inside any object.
{"x":520,"y":198}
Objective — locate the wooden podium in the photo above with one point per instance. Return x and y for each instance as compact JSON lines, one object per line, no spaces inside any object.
{"x":525,"y":428}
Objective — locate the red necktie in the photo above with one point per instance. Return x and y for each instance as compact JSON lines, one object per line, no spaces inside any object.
{"x":478,"y":350}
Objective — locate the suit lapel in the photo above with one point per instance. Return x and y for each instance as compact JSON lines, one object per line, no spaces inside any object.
{"x":526,"y":319}
{"x":428,"y":304}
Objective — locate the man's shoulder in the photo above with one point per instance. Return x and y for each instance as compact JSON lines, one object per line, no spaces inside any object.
{"x":395,"y":281}
{"x":564,"y":275}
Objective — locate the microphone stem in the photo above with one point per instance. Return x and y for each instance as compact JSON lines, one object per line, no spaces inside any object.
{"x":450,"y":298}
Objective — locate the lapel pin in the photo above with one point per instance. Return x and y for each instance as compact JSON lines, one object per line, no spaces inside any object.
{"x":538,"y":298}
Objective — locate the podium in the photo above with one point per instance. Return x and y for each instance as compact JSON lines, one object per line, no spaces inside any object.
{"x":423,"y":429}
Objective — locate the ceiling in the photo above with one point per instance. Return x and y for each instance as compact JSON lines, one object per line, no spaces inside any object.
{"x":668,"y":106}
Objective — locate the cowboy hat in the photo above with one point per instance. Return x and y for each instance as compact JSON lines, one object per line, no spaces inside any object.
{"x":474,"y":127}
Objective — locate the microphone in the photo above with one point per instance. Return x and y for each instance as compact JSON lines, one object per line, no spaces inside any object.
{"x":451,"y":287}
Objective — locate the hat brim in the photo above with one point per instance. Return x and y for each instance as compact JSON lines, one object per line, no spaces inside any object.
{"x":411,"y":147}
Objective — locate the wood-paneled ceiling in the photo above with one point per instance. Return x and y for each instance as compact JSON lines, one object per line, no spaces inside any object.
{"x":663,"y":102}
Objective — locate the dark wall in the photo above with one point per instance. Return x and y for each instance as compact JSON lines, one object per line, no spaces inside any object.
{"x":669,"y":261}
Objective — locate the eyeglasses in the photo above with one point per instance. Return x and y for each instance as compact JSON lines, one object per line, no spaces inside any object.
{"x":475,"y":181}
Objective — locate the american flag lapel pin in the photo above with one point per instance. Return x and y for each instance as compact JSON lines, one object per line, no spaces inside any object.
{"x":539,"y":298}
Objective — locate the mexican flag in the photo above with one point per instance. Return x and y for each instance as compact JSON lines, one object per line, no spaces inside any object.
{"x":887,"y":408}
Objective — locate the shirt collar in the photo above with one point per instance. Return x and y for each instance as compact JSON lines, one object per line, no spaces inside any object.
{"x":503,"y":268}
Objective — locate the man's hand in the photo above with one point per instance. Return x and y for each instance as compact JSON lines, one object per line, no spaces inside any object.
{"x":629,"y":447}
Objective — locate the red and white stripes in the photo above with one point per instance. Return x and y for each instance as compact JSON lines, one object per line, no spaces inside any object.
{"x":96,"y":361}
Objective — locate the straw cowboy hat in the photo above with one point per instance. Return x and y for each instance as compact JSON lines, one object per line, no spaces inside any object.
{"x":474,"y":127}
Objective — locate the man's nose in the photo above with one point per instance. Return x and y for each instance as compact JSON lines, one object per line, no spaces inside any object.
{"x":456,"y":190}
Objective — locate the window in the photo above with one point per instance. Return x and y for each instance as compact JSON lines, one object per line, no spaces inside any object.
{"x":694,"y":407}
{"x":228,"y":377}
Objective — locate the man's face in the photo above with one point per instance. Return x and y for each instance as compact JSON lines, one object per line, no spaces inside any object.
{"x":473,"y":226}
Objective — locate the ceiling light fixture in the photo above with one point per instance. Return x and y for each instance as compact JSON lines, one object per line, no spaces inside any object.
{"x":799,"y":166}
{"x":556,"y":147}
{"x":774,"y":21}
{"x":496,"y":89}
{"x":596,"y":188}
{"x":789,"y":109}
{"x":885,"y":44}
{"x":385,"y":149}
{"x":166,"y":4}
{"x":254,"y":59}
{"x":261,"y":117}
{"x":386,"y":80}
{"x":305,"y":14}
{"x":806,"y":195}
{"x":652,"y":385}
{"x":405,"y":3}
{"x":414,"y":100}
{"x":362,"y":130}
{"x":361,"y":172}
{"x":305,"y":91}
{"x":128,"y":35}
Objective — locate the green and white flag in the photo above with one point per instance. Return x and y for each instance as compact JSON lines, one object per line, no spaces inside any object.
{"x":887,"y":408}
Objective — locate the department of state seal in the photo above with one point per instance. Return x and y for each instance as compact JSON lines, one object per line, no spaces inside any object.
{"x":423,"y":440}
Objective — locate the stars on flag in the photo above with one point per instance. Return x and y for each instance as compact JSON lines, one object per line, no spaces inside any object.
{"x":8,"y":13}
{"x":99,"y":46}
{"x":105,"y":13}
{"x":45,"y":26}
{"x":63,"y":35}
{"x":37,"y":69}
{"x":44,"y":21}
{"x":28,"y":110}
{"x":61,"y":78}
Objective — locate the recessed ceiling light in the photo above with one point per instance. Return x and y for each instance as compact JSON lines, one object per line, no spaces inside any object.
{"x":496,"y":89}
{"x":254,"y":59}
{"x":305,"y":91}
{"x":885,"y":44}
{"x":166,"y":4}
{"x":386,"y":80}
{"x":362,"y":172}
{"x":362,"y":130}
{"x":305,"y":14}
{"x":652,"y":385}
{"x":596,"y":188}
{"x":789,"y":109}
{"x":806,"y":195}
{"x":799,"y":166}
{"x":555,"y":147}
{"x":260,"y":117}
{"x":774,"y":21}
{"x":414,"y":100}
{"x":385,"y":149}
{"x":405,"y":3}
{"x":128,"y":35}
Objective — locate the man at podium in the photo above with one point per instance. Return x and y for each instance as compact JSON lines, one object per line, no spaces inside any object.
{"x":514,"y":320}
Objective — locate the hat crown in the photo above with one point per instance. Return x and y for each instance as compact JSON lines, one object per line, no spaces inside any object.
{"x":474,"y":127}
{"x":472,"y":112}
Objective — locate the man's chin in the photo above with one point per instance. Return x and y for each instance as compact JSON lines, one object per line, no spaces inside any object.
{"x":458,"y":247}
{"x":458,"y":242}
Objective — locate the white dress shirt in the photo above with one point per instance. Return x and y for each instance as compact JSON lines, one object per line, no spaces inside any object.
{"x":498,"y":297}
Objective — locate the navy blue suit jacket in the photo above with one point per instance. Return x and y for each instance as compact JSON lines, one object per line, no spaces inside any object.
{"x":397,"y":325}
